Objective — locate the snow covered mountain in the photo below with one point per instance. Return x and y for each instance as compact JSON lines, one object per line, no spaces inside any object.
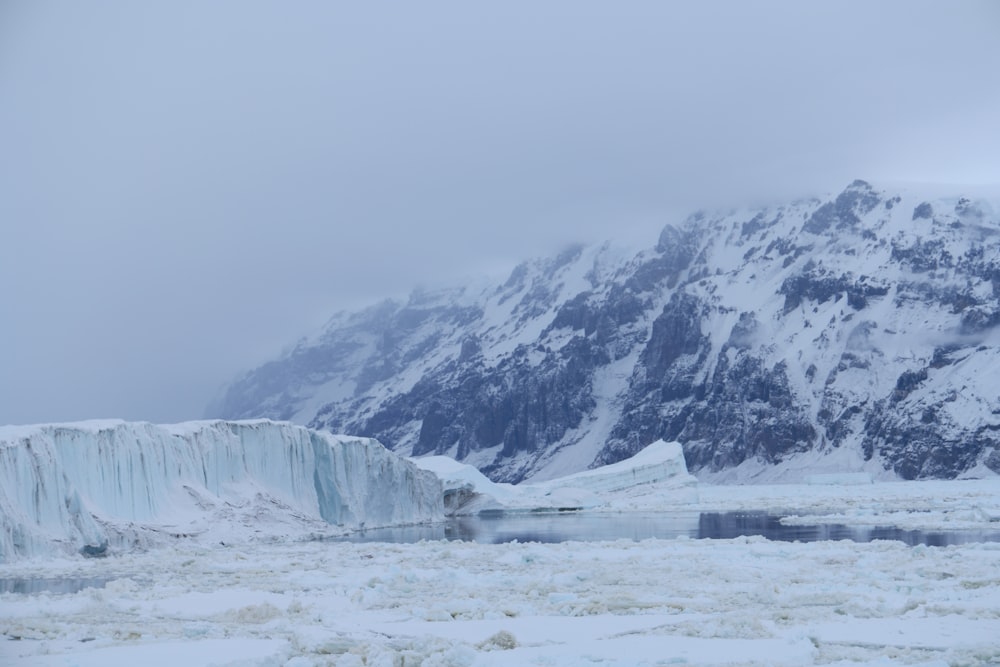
{"x":110,"y":485}
{"x":853,"y":333}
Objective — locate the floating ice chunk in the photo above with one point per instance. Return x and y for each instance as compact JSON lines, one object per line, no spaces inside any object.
{"x":660,"y":462}
{"x":659,"y":466}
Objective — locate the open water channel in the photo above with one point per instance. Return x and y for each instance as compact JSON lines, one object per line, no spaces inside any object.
{"x":595,"y":526}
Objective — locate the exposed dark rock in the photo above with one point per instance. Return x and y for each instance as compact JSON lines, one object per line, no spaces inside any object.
{"x":471,"y":348}
{"x":917,"y":448}
{"x":923,"y":211}
{"x":942,"y":356}
{"x":993,"y":461}
{"x":980,"y":318}
{"x":817,"y":284}
{"x":965,"y":208}
{"x":687,"y":340}
{"x":676,"y":332}
{"x":907,"y":382}
{"x":857,"y":200}
{"x":761,"y":222}
{"x":744,"y":333}
{"x":747,"y":410}
{"x":923,"y":255}
{"x":677,"y":250}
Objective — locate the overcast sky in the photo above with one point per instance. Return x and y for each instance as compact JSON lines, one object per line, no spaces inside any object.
{"x":187,"y":187}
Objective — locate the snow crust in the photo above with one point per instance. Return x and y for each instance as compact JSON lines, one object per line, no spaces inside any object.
{"x":103,"y":486}
{"x":658,"y":470}
{"x":745,"y":601}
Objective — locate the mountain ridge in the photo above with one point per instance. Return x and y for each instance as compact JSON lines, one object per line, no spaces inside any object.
{"x":855,"y":332}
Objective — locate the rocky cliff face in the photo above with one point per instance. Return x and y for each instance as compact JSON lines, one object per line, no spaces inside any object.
{"x":855,"y":333}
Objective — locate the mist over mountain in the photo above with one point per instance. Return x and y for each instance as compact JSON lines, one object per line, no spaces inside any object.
{"x":857,"y":332}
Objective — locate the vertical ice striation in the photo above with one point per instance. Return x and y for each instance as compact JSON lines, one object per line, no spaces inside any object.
{"x":83,"y":487}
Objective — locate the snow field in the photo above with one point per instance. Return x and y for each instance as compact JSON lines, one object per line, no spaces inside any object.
{"x":725,"y":602}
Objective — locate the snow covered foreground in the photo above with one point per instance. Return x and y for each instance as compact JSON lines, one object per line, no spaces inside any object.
{"x":108,"y":486}
{"x":290,"y":603}
{"x":746,"y":601}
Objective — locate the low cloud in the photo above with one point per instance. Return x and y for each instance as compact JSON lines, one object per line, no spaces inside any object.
{"x":187,"y":187}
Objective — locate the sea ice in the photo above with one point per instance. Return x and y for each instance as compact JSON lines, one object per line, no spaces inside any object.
{"x":744,"y":601}
{"x":290,"y":603}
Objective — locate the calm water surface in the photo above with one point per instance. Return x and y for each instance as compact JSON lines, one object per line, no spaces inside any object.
{"x":64,"y":585}
{"x":587,"y":527}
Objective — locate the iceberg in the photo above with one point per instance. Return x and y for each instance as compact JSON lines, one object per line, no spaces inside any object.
{"x":658,"y":470}
{"x":100,"y":486}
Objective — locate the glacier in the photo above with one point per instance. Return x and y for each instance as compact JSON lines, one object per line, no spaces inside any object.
{"x":103,"y":486}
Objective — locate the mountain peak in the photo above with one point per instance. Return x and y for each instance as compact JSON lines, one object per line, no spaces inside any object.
{"x":847,"y":334}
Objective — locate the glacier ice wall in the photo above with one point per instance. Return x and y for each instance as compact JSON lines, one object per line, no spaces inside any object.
{"x":94,"y":486}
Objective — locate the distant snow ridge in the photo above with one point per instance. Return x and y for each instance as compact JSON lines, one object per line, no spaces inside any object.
{"x":95,"y":487}
{"x":853,"y":333}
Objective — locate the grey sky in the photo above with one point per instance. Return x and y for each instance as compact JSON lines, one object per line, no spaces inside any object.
{"x":186,"y":187}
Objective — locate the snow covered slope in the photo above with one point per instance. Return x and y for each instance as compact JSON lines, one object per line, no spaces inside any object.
{"x":853,"y":333}
{"x":102,"y":486}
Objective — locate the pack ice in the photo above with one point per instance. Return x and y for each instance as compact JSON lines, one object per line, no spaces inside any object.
{"x":95,"y":487}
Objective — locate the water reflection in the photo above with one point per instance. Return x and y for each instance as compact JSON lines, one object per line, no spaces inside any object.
{"x":727,"y":525}
{"x":552,"y":527}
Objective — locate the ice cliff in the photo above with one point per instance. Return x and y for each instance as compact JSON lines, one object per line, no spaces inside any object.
{"x":97,"y":487}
